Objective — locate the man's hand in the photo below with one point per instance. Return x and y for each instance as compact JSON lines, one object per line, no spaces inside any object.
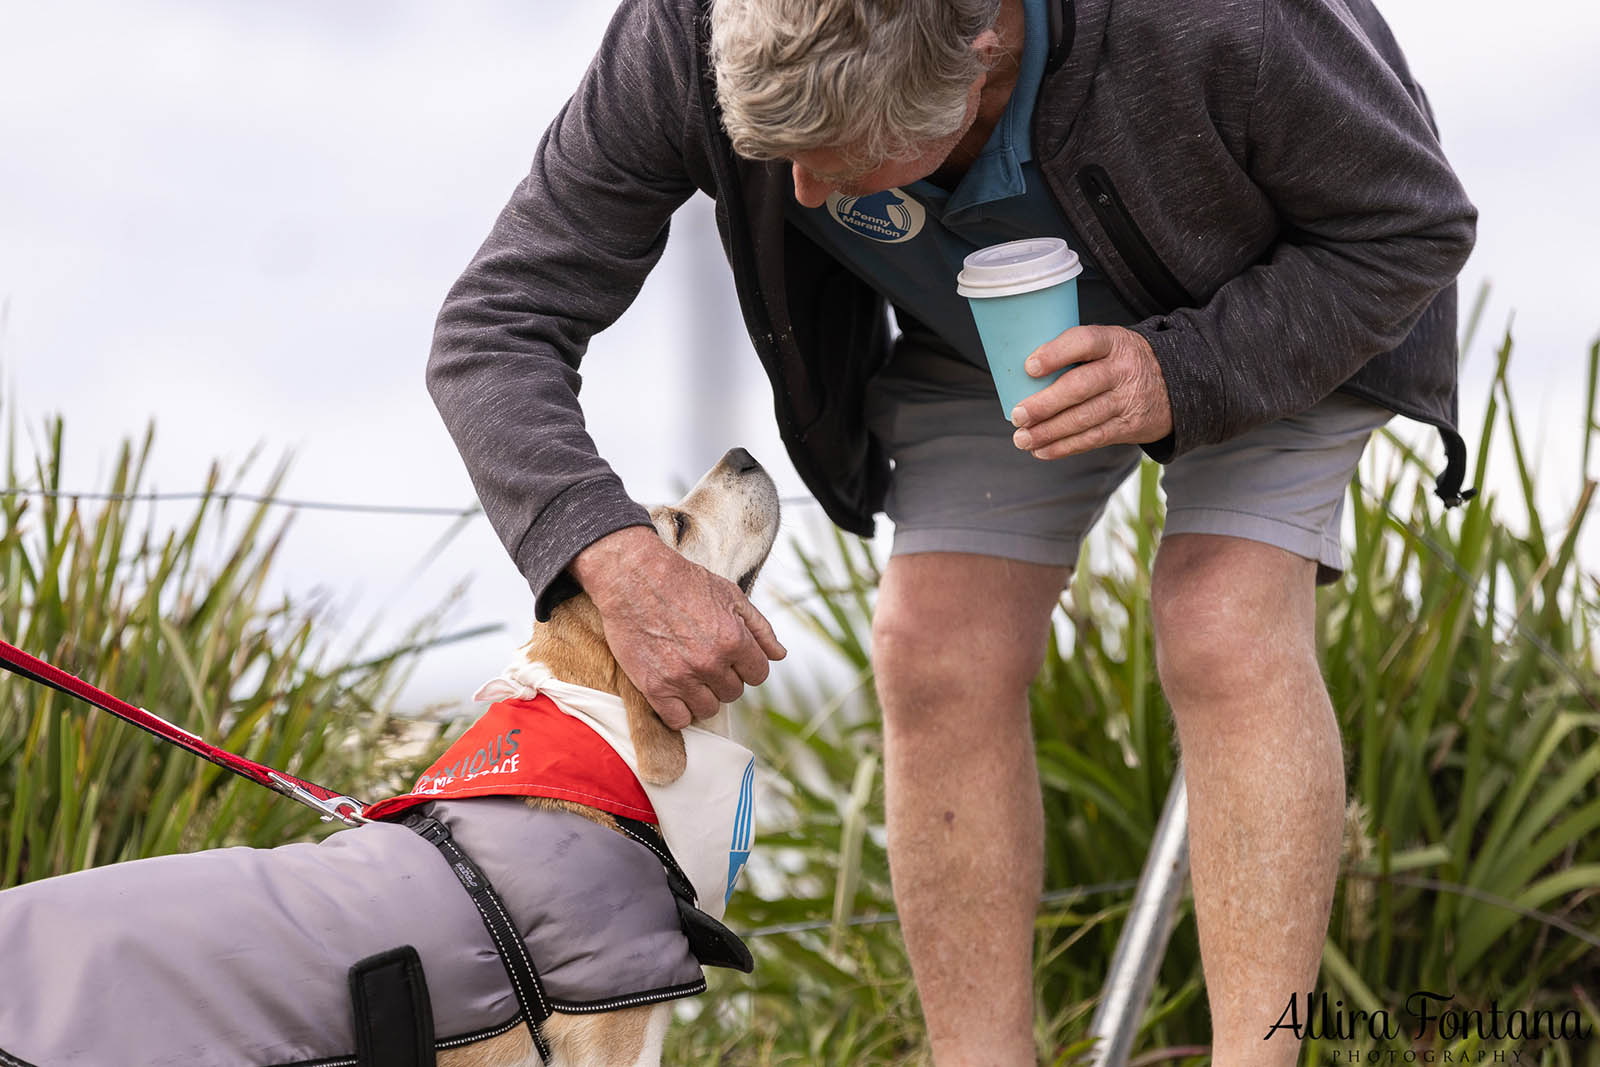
{"x":688,"y":639}
{"x":1116,"y":394}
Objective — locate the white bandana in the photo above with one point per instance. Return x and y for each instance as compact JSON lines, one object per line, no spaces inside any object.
{"x":707,"y":816}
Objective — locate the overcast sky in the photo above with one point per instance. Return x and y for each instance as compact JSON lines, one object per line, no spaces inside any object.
{"x":239,"y":219}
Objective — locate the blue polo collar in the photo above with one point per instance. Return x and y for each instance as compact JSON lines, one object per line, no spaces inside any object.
{"x":997,"y":172}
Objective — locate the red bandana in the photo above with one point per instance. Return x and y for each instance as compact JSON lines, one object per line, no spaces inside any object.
{"x":529,"y":748}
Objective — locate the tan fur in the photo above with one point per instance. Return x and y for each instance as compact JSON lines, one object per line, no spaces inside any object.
{"x":604,"y":818}
{"x":510,"y":1049}
{"x":573,"y":645}
{"x":613,"y":1037}
{"x":608,"y":1039}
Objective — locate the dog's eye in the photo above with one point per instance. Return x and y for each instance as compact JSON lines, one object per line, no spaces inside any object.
{"x":682,"y":519}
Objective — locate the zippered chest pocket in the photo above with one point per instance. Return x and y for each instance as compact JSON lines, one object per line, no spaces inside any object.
{"x":1130,"y":243}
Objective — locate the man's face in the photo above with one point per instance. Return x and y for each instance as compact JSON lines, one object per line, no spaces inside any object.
{"x":821,"y":172}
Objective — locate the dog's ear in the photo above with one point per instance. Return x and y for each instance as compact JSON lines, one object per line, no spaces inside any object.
{"x":658,"y":746}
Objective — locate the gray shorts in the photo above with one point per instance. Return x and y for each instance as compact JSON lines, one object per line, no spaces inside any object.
{"x":960,"y":485}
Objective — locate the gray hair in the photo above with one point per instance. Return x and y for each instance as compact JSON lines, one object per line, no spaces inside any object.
{"x":878,"y":77}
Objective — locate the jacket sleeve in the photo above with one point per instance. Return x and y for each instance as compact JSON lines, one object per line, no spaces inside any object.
{"x":566,"y":256}
{"x":1373,"y":222}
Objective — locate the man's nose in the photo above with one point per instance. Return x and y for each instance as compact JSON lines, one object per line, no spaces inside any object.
{"x":807,"y":190}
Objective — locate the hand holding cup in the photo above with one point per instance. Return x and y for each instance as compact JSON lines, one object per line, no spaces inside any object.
{"x":1024,"y":298}
{"x":1117,"y":394}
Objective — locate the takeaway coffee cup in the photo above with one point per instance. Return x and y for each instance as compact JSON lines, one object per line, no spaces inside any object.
{"x":1023,"y":293}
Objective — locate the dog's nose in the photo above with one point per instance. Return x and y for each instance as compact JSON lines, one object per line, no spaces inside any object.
{"x":740,"y":461}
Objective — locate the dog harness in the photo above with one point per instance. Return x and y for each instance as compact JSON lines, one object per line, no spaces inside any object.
{"x":250,"y":957}
{"x":549,"y":738}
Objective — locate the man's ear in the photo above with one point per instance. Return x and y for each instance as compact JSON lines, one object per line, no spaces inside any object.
{"x":658,"y":746}
{"x":989,"y":48}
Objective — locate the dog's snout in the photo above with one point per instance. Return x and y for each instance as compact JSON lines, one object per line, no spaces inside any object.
{"x":740,"y":461}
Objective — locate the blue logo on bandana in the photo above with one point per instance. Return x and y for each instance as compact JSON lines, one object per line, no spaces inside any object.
{"x":743,"y":828}
{"x":889,"y":216}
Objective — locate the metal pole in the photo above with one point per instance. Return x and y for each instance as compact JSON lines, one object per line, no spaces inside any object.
{"x":1144,"y":935}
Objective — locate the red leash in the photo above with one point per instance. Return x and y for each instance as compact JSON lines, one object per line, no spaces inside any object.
{"x":331,"y":805}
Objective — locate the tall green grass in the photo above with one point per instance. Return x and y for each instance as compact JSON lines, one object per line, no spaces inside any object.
{"x":179,"y":621}
{"x":1469,"y":693}
{"x":1459,"y":650}
{"x":1460,"y":656}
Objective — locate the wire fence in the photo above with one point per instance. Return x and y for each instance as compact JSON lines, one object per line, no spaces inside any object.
{"x":227,"y":496}
{"x":1511,"y":623}
{"x":1055,"y":896}
{"x":1071,"y":894}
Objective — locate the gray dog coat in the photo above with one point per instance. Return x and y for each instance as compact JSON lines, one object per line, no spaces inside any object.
{"x":240,"y":957}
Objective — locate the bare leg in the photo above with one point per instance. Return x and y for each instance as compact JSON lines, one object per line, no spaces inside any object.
{"x":956,"y":641}
{"x":1235,"y":638}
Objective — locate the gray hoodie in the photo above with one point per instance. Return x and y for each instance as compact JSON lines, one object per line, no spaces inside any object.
{"x":1261,"y":179}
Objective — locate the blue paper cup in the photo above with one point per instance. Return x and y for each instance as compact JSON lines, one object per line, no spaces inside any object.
{"x":1022,"y":294}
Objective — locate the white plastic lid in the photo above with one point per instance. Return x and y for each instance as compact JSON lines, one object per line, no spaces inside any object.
{"x":1017,"y":267}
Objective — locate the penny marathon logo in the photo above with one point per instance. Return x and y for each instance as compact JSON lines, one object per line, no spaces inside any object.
{"x":1434,"y":1016}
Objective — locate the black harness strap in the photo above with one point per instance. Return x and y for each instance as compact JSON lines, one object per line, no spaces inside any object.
{"x":393,"y":1016}
{"x":513,"y":953}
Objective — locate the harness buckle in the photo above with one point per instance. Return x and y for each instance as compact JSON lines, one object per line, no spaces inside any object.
{"x":431,"y":830}
{"x":345,"y":809}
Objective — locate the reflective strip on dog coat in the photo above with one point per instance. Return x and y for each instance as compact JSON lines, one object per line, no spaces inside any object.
{"x":239,"y":957}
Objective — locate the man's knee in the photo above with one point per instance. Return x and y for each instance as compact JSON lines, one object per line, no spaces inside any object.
{"x":924,"y":664}
{"x":921,"y":662}
{"x":1229,"y":615}
{"x":957,"y":630}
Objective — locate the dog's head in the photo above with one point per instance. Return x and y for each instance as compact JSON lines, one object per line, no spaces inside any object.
{"x":727,"y":524}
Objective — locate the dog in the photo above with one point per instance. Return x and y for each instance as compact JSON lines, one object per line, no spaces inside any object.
{"x":366,"y":949}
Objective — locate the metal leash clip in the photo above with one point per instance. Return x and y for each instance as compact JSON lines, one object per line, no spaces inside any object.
{"x":331,"y":809}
